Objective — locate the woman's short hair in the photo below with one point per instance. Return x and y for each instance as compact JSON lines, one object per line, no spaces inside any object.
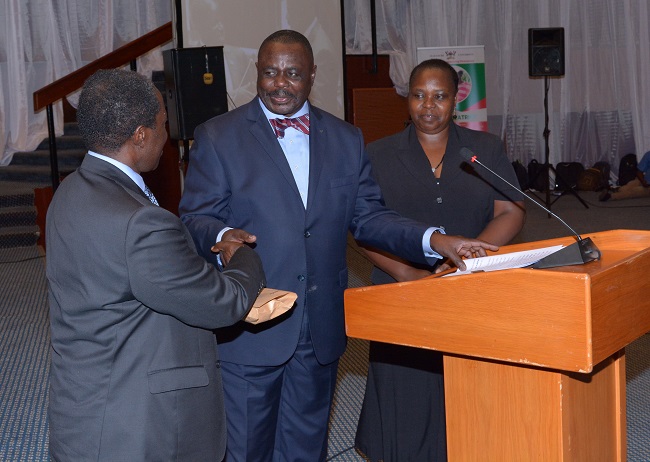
{"x":435,"y":64}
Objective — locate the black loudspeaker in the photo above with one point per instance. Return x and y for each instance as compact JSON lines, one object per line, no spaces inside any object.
{"x":546,"y":52}
{"x":195,"y":85}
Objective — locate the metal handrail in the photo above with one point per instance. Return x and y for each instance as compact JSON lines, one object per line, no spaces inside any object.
{"x":50,"y":94}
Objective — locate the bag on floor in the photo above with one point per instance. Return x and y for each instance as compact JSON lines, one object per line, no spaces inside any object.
{"x":605,"y":170}
{"x":591,"y":179}
{"x":627,"y":169}
{"x":522,"y":174}
{"x":537,"y":177}
{"x":566,"y":175}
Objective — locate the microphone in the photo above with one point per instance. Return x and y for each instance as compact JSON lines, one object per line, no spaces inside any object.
{"x":578,"y":253}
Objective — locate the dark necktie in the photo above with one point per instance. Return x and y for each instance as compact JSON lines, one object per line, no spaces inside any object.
{"x":299,"y":123}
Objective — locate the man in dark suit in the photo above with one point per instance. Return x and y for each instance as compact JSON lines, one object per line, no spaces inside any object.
{"x":300,"y":194}
{"x":134,"y":373}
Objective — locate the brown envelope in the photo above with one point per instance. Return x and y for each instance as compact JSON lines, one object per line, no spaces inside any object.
{"x":270,"y":304}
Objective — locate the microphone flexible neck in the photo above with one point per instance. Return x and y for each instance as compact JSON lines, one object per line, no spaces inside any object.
{"x":471,"y":158}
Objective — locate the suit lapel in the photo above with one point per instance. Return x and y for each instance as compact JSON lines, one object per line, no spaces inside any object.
{"x":415,"y":160}
{"x":452,"y":155}
{"x":412,"y":155}
{"x":263,"y":133}
{"x":317,"y":151}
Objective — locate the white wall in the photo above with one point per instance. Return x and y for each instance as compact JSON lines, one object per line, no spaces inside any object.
{"x":240,"y":26}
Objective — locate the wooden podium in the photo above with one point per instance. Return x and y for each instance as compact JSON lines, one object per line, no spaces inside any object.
{"x":534,"y":358}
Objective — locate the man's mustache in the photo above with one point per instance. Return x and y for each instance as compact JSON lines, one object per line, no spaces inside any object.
{"x":281,"y":94}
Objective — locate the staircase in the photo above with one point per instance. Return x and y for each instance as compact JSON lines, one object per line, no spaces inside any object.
{"x":33,"y":167}
{"x":27,"y":171}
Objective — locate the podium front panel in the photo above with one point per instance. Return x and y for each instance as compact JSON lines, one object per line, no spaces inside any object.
{"x":567,"y":318}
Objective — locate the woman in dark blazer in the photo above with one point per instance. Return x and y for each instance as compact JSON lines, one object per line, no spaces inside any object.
{"x":423,"y":176}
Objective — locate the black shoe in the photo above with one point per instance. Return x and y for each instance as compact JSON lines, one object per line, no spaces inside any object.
{"x":605,"y":196}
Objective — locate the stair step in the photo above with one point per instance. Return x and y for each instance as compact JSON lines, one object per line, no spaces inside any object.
{"x":19,"y":236}
{"x":64,"y":142}
{"x":66,"y":157}
{"x":18,"y":216}
{"x":14,"y":195}
{"x":18,"y":226}
{"x":70,"y":128}
{"x":36,"y":174}
{"x":27,"y":171}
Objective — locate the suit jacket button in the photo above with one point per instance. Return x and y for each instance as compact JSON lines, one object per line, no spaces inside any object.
{"x":307,"y":234}
{"x":301,"y":278}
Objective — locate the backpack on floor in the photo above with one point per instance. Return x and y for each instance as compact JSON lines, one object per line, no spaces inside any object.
{"x":537,"y":176}
{"x":591,"y":179}
{"x":627,"y":169}
{"x":605,"y":170}
{"x":566,"y":175}
{"x":522,"y":174}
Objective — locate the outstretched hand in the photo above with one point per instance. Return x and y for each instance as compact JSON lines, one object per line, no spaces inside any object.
{"x":444,"y":266}
{"x":456,"y":247}
{"x":230,"y":242}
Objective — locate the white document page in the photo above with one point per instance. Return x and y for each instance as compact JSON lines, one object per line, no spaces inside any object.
{"x":506,"y":260}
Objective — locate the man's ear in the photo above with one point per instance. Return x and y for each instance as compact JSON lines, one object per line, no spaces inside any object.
{"x":313,"y":74}
{"x":139,"y":136}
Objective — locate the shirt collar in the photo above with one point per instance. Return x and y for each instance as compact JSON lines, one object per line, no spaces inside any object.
{"x":270,"y":115}
{"x":128,"y":171}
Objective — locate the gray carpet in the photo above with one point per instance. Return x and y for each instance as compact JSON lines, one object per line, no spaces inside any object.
{"x":24,"y":341}
{"x":24,"y":355}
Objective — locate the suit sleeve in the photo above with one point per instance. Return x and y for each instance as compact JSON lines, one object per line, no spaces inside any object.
{"x":168,"y":276}
{"x":203,"y":206}
{"x":380,"y":227}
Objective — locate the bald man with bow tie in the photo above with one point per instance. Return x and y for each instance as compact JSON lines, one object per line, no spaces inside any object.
{"x":293,"y":189}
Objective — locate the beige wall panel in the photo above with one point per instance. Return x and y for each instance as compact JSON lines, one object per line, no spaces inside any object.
{"x":241,"y":25}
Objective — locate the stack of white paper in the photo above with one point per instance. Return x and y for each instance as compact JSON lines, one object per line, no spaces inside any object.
{"x":506,"y":260}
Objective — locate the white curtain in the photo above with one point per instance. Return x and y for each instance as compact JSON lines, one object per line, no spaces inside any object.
{"x":597,"y":110}
{"x":44,"y":40}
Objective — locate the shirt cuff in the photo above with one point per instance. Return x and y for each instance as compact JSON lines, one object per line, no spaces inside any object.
{"x":219,"y":236}
{"x":431,"y":255}
{"x":221,"y":233}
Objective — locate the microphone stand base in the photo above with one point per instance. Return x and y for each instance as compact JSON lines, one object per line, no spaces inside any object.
{"x":578,"y":253}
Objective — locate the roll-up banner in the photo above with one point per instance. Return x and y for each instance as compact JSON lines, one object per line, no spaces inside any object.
{"x":469,"y":62}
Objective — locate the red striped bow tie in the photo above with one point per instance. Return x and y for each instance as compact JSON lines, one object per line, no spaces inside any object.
{"x":299,"y":123}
